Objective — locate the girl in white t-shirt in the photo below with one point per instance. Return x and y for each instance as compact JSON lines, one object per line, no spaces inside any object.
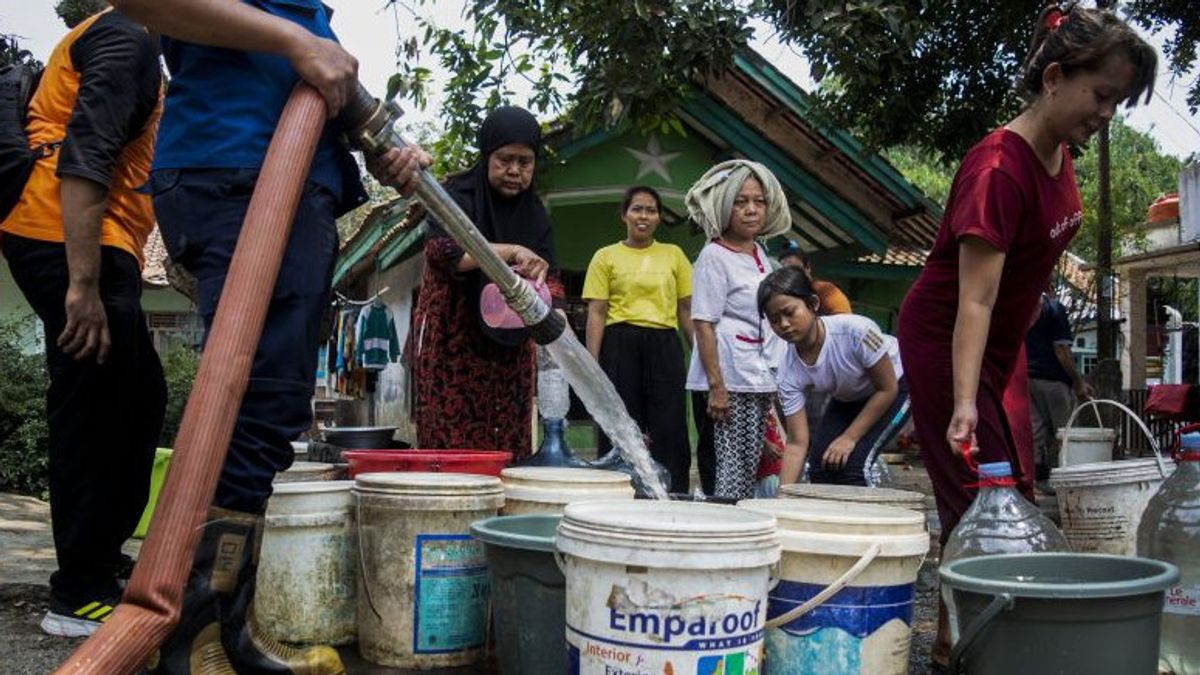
{"x":845,"y":356}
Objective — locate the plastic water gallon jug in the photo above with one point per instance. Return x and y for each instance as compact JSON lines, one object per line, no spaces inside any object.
{"x":1170,"y":532}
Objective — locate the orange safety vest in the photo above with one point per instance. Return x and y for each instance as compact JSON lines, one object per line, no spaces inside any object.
{"x":129,"y":216}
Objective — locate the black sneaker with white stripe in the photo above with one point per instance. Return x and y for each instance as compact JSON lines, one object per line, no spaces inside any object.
{"x":80,"y":621}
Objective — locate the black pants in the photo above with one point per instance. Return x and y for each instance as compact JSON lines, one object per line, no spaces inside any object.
{"x":200,"y":213}
{"x":706,"y":451}
{"x":646,"y":367}
{"x":837,"y":417}
{"x":104,"y":419}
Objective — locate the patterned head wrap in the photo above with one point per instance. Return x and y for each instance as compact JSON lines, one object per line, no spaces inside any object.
{"x":710,"y":200}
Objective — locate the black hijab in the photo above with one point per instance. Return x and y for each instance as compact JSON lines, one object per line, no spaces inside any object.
{"x":520,"y":220}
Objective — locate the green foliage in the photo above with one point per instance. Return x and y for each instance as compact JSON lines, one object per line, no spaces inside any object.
{"x":179,"y":368}
{"x":24,"y":436}
{"x":925,"y":170}
{"x":1182,"y":49}
{"x":615,"y":63}
{"x":1140,"y":173}
{"x":11,"y":52}
{"x":72,"y":12}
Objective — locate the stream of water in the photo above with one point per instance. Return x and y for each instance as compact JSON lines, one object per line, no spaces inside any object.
{"x":600,"y":398}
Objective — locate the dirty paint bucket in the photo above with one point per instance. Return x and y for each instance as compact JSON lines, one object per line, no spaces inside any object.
{"x":1101,"y":504}
{"x":528,"y":593}
{"x":1050,"y":613}
{"x":423,"y":584}
{"x":308,"y":568}
{"x":545,"y":489}
{"x":303,"y":472}
{"x":844,"y":601}
{"x":1085,"y":445}
{"x":665,"y":587}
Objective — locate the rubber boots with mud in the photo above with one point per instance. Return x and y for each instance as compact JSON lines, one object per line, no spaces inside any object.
{"x":216,"y":634}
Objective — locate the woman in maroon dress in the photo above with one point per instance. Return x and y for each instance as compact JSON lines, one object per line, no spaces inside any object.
{"x":1013,"y":208}
{"x":474,"y":383}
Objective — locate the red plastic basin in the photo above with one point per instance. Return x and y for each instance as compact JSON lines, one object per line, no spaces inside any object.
{"x":483,"y":462}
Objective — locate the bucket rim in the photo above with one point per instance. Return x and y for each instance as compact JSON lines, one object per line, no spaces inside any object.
{"x":907,"y":545}
{"x":851,"y":493}
{"x":664,"y":517}
{"x":311,"y":487}
{"x":304,"y":466}
{"x":487,"y":530}
{"x":1160,"y":576}
{"x":428,"y":484}
{"x":1128,"y":470}
{"x":1086,"y":434}
{"x":833,"y":512}
{"x":548,"y":474}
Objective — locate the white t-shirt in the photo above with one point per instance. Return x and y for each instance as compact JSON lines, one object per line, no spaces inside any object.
{"x":852,"y":345}
{"x":725,"y":293}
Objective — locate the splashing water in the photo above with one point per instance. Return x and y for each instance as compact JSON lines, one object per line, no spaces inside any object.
{"x":600,"y":398}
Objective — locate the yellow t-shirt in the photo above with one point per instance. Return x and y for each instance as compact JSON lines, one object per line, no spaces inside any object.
{"x":643,"y":286}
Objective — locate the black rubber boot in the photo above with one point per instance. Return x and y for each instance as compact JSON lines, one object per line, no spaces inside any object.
{"x":194,"y":648}
{"x":251,"y":651}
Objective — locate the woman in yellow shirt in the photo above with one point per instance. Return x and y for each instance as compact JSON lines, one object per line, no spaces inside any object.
{"x":639,"y":295}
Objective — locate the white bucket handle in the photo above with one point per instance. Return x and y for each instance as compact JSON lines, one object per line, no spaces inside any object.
{"x":1094,"y":402}
{"x":829,"y":591}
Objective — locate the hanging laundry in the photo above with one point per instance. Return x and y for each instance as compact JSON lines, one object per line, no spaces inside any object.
{"x":378,"y":345}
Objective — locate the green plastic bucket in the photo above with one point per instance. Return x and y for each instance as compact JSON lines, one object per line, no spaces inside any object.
{"x":528,"y":593}
{"x":1043,"y":613}
{"x":162,"y":460}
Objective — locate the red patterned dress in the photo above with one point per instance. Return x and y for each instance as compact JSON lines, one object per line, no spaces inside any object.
{"x":472,"y":393}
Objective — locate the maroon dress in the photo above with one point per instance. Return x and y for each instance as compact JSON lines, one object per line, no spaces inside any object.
{"x":472,"y":393}
{"x":1003,"y":195}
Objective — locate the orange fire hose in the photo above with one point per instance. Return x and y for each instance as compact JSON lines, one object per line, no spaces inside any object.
{"x":151,"y":605}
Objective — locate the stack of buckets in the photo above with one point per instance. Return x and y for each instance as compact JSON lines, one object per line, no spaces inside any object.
{"x":389,"y":560}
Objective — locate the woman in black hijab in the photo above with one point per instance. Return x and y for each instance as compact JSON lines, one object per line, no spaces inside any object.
{"x":474,"y":383}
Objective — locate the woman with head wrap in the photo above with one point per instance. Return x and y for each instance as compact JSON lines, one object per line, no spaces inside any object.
{"x":735,"y":203}
{"x":474,"y":383}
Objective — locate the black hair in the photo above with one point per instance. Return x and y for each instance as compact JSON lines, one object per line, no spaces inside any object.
{"x":1082,"y":39}
{"x":639,"y":190}
{"x":791,"y":281}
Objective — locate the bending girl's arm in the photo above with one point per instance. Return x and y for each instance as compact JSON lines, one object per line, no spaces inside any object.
{"x":979,"y":269}
{"x":796,"y":448}
{"x":597,"y":315}
{"x":883,"y":377}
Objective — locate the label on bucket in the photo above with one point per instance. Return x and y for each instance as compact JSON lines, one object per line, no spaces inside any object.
{"x":651,"y":632}
{"x":861,"y":629}
{"x":1182,"y":600}
{"x":451,"y":593}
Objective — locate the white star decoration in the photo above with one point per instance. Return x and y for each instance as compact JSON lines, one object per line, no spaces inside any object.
{"x":653,"y":159}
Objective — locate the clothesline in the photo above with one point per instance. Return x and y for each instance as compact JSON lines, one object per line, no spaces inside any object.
{"x":347,"y":301}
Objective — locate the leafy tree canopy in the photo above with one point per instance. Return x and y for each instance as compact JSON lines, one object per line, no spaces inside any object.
{"x":936,"y":74}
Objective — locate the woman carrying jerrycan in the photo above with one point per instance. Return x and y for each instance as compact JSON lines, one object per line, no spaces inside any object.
{"x":1013,"y":208}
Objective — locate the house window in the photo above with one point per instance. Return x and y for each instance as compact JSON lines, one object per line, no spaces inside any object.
{"x":1081,"y":342}
{"x":175,"y":329}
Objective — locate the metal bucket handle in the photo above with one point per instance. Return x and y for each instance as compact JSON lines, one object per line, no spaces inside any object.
{"x":829,"y":591}
{"x":999,"y":603}
{"x":1093,"y":403}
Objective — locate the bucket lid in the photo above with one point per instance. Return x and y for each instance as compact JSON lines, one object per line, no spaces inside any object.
{"x":561,"y":485}
{"x":534,"y":532}
{"x":844,"y":528}
{"x":309,"y":467}
{"x":665,"y":534}
{"x":854,"y":493}
{"x":309,"y":497}
{"x":1097,"y":474}
{"x":1087,"y":434}
{"x":307,"y":487}
{"x":1059,"y":575}
{"x":428,"y":484}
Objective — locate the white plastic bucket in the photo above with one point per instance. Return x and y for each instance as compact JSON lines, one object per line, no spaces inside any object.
{"x":423,"y":583}
{"x":844,"y":602}
{"x":1085,"y":445}
{"x":545,"y":489}
{"x":665,"y":587}
{"x":904,"y":499}
{"x":1101,"y":504}
{"x":307,"y":571}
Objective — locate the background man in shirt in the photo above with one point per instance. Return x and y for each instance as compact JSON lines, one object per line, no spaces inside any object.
{"x":233,"y":66}
{"x":74,"y":245}
{"x":833,"y":300}
{"x":1053,"y":381}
